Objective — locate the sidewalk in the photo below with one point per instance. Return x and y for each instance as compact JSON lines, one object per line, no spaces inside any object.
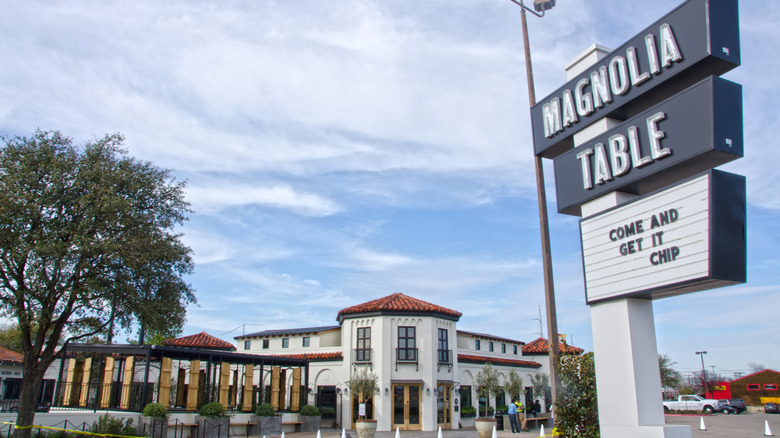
{"x":458,"y":433}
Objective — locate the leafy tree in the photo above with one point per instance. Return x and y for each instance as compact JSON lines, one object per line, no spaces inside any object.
{"x":513,"y":385}
{"x":670,"y":378}
{"x":87,"y":244}
{"x":576,"y":411}
{"x":487,"y":383}
{"x":11,"y":337}
{"x":540,"y":382}
{"x":755,"y":367}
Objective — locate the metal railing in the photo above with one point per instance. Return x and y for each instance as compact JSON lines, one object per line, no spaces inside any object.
{"x":362,"y":355}
{"x":445,"y":357}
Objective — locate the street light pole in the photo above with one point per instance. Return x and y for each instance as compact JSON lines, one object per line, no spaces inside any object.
{"x":549,"y":289}
{"x":703,"y":371}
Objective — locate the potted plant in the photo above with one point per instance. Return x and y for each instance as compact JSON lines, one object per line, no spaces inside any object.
{"x":213,"y":422}
{"x":267,"y":421}
{"x":487,"y":384}
{"x":311,"y":418}
{"x":363,"y":386}
{"x":155,"y":420}
{"x":467,"y":415}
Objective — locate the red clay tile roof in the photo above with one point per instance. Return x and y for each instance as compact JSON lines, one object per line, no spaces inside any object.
{"x":398,"y":303}
{"x":314,"y":357}
{"x":540,"y":346}
{"x":487,"y":336}
{"x":471,"y":358}
{"x":201,"y":340}
{"x":9,"y":356}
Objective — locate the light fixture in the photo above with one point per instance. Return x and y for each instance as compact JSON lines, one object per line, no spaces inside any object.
{"x":428,"y":391}
{"x":543,"y":5}
{"x":387,"y":391}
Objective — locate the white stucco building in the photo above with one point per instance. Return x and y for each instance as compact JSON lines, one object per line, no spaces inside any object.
{"x":425,"y":366}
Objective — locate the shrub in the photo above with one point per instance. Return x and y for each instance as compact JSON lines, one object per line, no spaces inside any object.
{"x":155,"y":410}
{"x":309,"y":411}
{"x":114,"y":426}
{"x":265,"y":410}
{"x":328,"y":410}
{"x":576,"y":411}
{"x":468,"y":411}
{"x":212,"y":409}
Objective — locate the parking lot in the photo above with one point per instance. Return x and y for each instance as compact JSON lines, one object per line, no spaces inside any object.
{"x":732,"y":426}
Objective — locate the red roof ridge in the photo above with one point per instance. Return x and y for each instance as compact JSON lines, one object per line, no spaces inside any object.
{"x":541,"y":346}
{"x":7,"y":355}
{"x":324,"y":356}
{"x":200,"y":340}
{"x":497,"y":360}
{"x":398,"y":303}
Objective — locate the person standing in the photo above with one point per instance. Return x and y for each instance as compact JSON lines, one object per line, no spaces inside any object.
{"x":521,"y":415}
{"x":512,"y":413}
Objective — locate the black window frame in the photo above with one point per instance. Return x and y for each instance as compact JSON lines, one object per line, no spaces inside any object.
{"x":444,"y":346}
{"x":363,"y":344}
{"x":306,"y":341}
{"x":285,"y":342}
{"x":477,"y":345}
{"x":407,"y":344}
{"x":266,"y":344}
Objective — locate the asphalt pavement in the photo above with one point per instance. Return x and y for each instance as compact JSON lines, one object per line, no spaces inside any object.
{"x":745,"y":425}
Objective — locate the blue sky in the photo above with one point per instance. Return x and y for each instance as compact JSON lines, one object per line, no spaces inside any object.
{"x":337,"y":152}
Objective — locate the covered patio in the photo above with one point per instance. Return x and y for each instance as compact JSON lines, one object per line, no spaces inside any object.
{"x":127,"y":377}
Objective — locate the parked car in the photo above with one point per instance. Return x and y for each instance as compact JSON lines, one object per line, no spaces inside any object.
{"x":736,"y":403}
{"x":690,"y":403}
{"x":724,"y":408}
{"x":771,"y":408}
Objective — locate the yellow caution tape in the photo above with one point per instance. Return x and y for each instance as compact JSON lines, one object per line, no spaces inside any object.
{"x":35,"y":426}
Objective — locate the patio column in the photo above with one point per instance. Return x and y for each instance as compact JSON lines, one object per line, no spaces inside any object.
{"x":85,"y":381}
{"x":108,"y":376}
{"x":275,"y":373}
{"x":164,"y":396}
{"x":295,"y":395}
{"x":224,"y":384}
{"x":68,"y":389}
{"x":249,"y":379}
{"x":192,"y":389}
{"x":127,"y":382}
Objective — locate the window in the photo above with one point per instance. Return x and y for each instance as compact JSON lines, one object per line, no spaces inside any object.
{"x":465,"y":396}
{"x":503,"y":348}
{"x":306,"y":341}
{"x":444,"y":346}
{"x":753,"y":386}
{"x":285,"y":342}
{"x":770,"y":386}
{"x":407,"y":344}
{"x":490,"y":346}
{"x":247,"y":345}
{"x":514,"y":349}
{"x":363,"y":350}
{"x":476,"y":344}
{"x":265,"y":344}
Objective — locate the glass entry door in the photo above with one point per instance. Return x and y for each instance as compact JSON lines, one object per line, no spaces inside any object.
{"x":406,"y":406}
{"x":444,"y":405}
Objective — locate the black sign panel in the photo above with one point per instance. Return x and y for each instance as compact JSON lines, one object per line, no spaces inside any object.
{"x":697,"y":129}
{"x":698,"y":39}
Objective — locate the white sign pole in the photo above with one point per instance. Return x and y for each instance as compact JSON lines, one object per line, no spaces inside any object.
{"x":626,"y":356}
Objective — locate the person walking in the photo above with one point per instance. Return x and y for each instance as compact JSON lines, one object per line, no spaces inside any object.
{"x":512,"y":413}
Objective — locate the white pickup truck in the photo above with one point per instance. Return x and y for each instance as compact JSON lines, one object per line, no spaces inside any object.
{"x":690,"y":403}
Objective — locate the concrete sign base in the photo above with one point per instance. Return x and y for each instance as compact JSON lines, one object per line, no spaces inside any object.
{"x":627,"y":373}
